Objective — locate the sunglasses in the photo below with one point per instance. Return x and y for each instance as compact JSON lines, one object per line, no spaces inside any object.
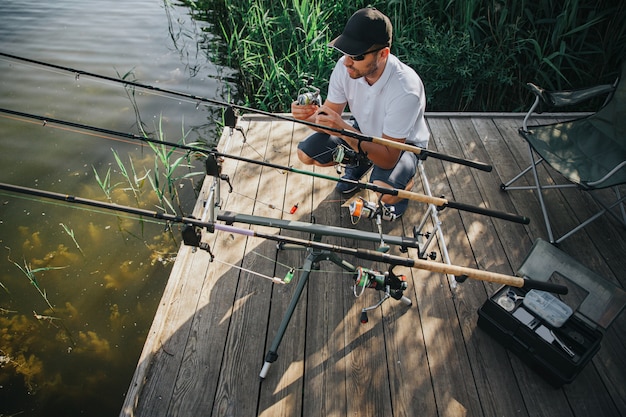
{"x":362,"y":56}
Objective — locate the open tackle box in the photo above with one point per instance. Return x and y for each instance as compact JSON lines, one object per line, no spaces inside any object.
{"x":556,"y":336}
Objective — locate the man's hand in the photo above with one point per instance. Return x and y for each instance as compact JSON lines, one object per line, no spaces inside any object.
{"x":304,"y":112}
{"x":327,"y":116}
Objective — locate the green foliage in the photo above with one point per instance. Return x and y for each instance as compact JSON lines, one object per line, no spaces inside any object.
{"x":450,"y":62}
{"x":471,"y":54}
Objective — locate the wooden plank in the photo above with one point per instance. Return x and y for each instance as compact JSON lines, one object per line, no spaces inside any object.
{"x":599,"y":246}
{"x":507,"y":145}
{"x":281,"y":391}
{"x":196,"y":382}
{"x":460,"y":306}
{"x":156,"y":362}
{"x":195,"y":386}
{"x":167,"y":361}
{"x":155,"y":356}
{"x":604,"y":256}
{"x":485,"y":239}
{"x":407,"y":360}
{"x":519,"y":149}
{"x":238,"y":385}
{"x":610,"y":364}
{"x":367,"y":376}
{"x":607,"y":251}
{"x":534,"y":390}
{"x":328,"y":291}
{"x":156,"y":374}
{"x":563,"y":207}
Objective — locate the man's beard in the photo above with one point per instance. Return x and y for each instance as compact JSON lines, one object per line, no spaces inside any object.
{"x":370,"y":69}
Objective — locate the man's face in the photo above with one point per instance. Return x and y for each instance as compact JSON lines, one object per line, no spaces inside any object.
{"x":368,"y":66}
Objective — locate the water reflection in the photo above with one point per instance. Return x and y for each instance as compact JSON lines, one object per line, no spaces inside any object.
{"x":79,"y":287}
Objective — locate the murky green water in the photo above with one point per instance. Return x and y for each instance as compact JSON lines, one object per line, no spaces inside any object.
{"x":79,"y":288}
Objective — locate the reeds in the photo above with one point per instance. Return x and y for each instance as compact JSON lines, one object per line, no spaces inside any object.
{"x":170,"y":167}
{"x":31,"y":274}
{"x":471,"y":54}
{"x":274,"y":45}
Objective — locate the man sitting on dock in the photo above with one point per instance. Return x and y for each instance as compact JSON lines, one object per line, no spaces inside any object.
{"x":386,"y":99}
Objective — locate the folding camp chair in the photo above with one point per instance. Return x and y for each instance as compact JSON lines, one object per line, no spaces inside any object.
{"x":589,"y":152}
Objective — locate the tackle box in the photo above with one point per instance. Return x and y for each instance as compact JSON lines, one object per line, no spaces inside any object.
{"x":555,"y":335}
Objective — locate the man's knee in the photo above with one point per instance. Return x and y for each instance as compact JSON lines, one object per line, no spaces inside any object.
{"x":304,"y":158}
{"x":307,"y":160}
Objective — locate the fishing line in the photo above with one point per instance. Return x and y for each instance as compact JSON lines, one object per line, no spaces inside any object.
{"x":275,"y":280}
{"x":53,"y":125}
{"x":109,"y":213}
{"x":322,"y":271}
{"x":101,"y":80}
{"x":271,"y":206}
{"x":84,"y":208}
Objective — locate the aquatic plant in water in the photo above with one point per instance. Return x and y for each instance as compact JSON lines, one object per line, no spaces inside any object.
{"x":30,"y":274}
{"x":70,"y":233}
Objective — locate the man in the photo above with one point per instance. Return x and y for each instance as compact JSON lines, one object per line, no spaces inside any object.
{"x":386,"y":99}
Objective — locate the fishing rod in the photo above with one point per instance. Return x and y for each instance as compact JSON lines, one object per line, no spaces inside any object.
{"x":211,"y":163}
{"x":424,"y":153}
{"x":191,"y":236}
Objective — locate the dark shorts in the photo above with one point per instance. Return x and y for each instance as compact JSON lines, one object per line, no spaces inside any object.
{"x":320,"y":146}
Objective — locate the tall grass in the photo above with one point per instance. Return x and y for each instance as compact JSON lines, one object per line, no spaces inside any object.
{"x":274,"y":44}
{"x":471,"y":54}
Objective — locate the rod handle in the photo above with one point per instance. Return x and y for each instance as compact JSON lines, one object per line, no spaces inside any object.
{"x":423,"y":152}
{"x":531,"y":284}
{"x":451,"y":158}
{"x":494,"y":277}
{"x":489,"y":212}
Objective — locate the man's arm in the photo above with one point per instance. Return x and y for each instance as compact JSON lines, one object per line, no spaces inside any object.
{"x":381,"y":155}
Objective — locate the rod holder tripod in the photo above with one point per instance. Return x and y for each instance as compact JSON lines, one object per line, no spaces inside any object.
{"x":431,"y":213}
{"x":314,"y":256}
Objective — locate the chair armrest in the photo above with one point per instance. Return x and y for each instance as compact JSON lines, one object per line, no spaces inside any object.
{"x":564,"y":98}
{"x":569,"y":97}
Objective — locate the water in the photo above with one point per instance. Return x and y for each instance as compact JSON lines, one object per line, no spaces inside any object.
{"x":102,"y":274}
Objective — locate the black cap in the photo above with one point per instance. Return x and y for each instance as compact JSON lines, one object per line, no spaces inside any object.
{"x":366,"y":28}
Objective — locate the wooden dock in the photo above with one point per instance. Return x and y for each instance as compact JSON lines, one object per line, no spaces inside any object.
{"x":217,"y":319}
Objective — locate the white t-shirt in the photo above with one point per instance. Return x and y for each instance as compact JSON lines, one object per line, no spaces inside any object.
{"x":393,"y":106}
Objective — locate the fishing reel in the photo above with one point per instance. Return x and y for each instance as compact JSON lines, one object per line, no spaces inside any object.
{"x":309,"y":94}
{"x":346,"y":156}
{"x":393,"y":285}
{"x":361,"y":208}
{"x":368,"y":278}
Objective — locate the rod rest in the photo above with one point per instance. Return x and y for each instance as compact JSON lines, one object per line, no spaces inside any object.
{"x":404,"y":242}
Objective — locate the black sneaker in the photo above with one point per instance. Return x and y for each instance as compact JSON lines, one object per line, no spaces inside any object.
{"x":354,"y":173}
{"x":395,"y":211}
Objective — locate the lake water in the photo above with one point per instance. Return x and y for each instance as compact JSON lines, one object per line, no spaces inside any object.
{"x":79,"y":288}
